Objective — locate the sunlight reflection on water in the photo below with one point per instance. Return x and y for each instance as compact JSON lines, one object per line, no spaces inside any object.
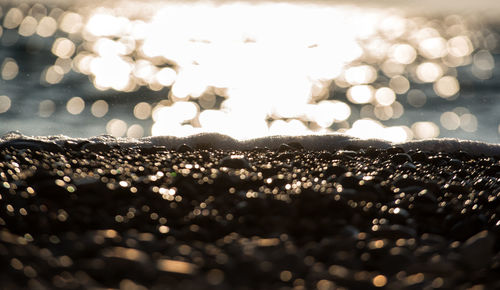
{"x":279,"y":68}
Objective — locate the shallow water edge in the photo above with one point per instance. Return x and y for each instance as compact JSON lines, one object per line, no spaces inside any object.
{"x":327,"y":142}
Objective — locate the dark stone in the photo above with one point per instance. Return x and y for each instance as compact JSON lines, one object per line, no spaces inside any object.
{"x":152,"y":149}
{"x":296,"y":145}
{"x":97,"y":147}
{"x":493,"y":170}
{"x":358,"y":195}
{"x":466,"y":226}
{"x":285,"y":156}
{"x":420,"y":157}
{"x":477,"y":251}
{"x":408,"y":166}
{"x":205,"y":155}
{"x":438,"y":160}
{"x":462,"y":155}
{"x":394,"y":232}
{"x":455,"y":163}
{"x":398,"y":215}
{"x":374,"y":152}
{"x":395,"y":150}
{"x":183,"y":148}
{"x":260,"y":149}
{"x":425,"y":196}
{"x":204,"y":146}
{"x":235,"y":162}
{"x":424,"y":203}
{"x":285,"y":148}
{"x":346,"y":154}
{"x":335,"y":170}
{"x":74,"y":145}
{"x":401,"y":158}
{"x":349,"y":180}
{"x":34,"y":145}
{"x":325,"y":156}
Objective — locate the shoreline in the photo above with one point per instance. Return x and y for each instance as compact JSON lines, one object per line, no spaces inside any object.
{"x":329,"y":142}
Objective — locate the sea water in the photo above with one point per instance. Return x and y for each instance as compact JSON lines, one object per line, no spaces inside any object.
{"x":85,"y":69}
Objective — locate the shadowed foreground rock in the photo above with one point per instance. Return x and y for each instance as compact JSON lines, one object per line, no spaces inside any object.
{"x":256,"y":219}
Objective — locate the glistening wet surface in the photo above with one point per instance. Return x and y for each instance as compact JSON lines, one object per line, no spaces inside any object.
{"x":130,"y":68}
{"x":86,"y":214}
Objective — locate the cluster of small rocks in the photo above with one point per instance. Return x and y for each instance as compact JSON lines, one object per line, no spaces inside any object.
{"x":90,"y":215}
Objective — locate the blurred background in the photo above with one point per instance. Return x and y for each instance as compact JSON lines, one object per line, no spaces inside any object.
{"x":396,"y":70}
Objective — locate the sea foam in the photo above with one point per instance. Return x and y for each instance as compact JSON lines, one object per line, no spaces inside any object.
{"x":327,"y":142}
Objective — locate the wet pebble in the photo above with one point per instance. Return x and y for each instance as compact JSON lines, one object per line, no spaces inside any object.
{"x":394,"y":232}
{"x":455,"y":163}
{"x":296,"y":145}
{"x":235,"y":162}
{"x":478,"y":249}
{"x":349,"y":180}
{"x":74,"y":145}
{"x":96,"y":147}
{"x":183,"y":148}
{"x":395,"y":150}
{"x":285,"y":147}
{"x":400,"y":158}
{"x":408,"y":166}
{"x":33,"y":145}
{"x":335,"y":170}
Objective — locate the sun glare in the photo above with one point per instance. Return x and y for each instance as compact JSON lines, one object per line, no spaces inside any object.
{"x":256,"y":69}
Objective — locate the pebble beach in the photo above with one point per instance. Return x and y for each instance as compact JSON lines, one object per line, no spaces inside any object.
{"x":81,"y":214}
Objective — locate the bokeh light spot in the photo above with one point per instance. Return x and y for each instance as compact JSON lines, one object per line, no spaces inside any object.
{"x":383,"y":113}
{"x":484,"y":60}
{"x":385,"y":96}
{"x":63,"y":47}
{"x":75,"y":105}
{"x":433,"y":47}
{"x":397,"y":110}
{"x":327,"y":112}
{"x":360,"y":75}
{"x":429,"y":72}
{"x":379,"y":281}
{"x":285,"y":276}
{"x":450,"y":120}
{"x":399,"y":84}
{"x":135,"y":131}
{"x":13,"y":18}
{"x":425,"y":130}
{"x":46,"y":108}
{"x":53,"y":74}
{"x":46,"y":27}
{"x":416,"y":98}
{"x":28,"y":26}
{"x":360,"y":94}
{"x":71,"y":22}
{"x":99,"y":108}
{"x":460,"y":46}
{"x":142,"y":110}
{"x":5,"y":104}
{"x":446,"y":86}
{"x":166,"y":76}
{"x":468,"y":123}
{"x":10,"y":69}
{"x":404,"y":53}
{"x":116,"y":127}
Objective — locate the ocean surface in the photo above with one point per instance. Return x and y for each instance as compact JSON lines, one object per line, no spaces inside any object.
{"x":247,"y":71}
